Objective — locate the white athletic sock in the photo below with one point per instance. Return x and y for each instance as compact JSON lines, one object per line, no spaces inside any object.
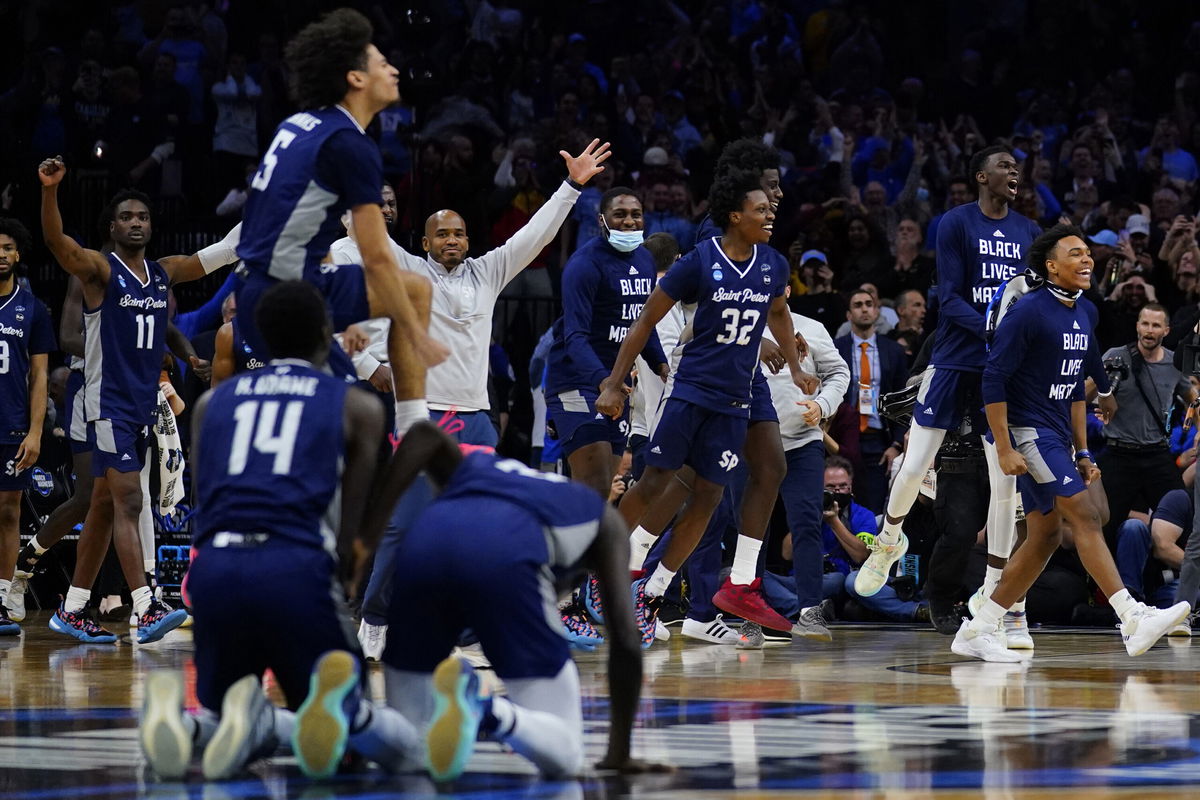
{"x":991,"y":579}
{"x":1018,"y":607}
{"x":76,"y":599}
{"x":659,"y":581}
{"x":745,"y":560}
{"x":506,"y":716}
{"x":141,"y":599}
{"x":640,"y":542}
{"x":388,"y":739}
{"x":890,"y":533}
{"x":409,"y":413}
{"x":37,"y":546}
{"x":5,"y":587}
{"x":1124,"y":604}
{"x":985,"y":621}
{"x":551,"y":739}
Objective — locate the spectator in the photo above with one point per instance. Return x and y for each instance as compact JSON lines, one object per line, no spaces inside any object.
{"x":909,"y":332}
{"x":661,"y":216}
{"x":912,"y":268}
{"x":1149,"y":557}
{"x":684,"y":135}
{"x":235,"y":136}
{"x":1175,"y":161}
{"x":815,"y":296}
{"x":179,"y":38}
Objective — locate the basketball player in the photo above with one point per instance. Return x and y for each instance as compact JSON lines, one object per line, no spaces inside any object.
{"x":980,"y":245}
{"x":500,"y":580}
{"x":26,"y":339}
{"x":1033,"y":391}
{"x":276,"y":452}
{"x":738,"y":288}
{"x":320,"y":163}
{"x":125,"y":318}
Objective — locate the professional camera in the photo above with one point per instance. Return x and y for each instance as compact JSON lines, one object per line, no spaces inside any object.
{"x":1117,"y":370}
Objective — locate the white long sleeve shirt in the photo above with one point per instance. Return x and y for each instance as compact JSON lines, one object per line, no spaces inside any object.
{"x":463,"y":304}
{"x":824,"y":361}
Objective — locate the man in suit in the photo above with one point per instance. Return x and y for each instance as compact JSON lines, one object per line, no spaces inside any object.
{"x":877,"y":366}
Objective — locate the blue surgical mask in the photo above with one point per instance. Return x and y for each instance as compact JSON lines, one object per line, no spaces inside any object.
{"x":624,"y":241}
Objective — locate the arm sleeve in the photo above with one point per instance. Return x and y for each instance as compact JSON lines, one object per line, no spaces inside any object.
{"x":1006,"y":355}
{"x":350,"y":164}
{"x":41,"y":339}
{"x":580,"y":278}
{"x":953,"y":279}
{"x":503,"y":263}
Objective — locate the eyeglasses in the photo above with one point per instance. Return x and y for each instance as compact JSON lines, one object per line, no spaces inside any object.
{"x":838,"y":487}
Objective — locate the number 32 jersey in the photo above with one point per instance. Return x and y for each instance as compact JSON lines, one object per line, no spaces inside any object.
{"x":732,"y":299}
{"x":271,"y":454}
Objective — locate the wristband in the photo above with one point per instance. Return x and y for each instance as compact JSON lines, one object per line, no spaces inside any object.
{"x":1082,"y":454}
{"x":576,"y":186}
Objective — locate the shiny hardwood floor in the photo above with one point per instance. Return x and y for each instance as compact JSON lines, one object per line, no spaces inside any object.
{"x":882,"y":712}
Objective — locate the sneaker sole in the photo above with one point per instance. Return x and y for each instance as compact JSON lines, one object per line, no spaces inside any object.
{"x":451,"y":738}
{"x":703,"y":636}
{"x":1179,"y":632}
{"x":322,"y":729}
{"x":771,"y":620}
{"x":58,"y":626}
{"x":166,"y":745}
{"x":161,"y":628}
{"x":1179,"y":617}
{"x":969,"y":652}
{"x":816,"y":636}
{"x":859,"y":590}
{"x":229,"y":749}
{"x":10,"y":629}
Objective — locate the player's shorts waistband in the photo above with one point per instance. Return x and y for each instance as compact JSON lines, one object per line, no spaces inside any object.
{"x":223,"y":539}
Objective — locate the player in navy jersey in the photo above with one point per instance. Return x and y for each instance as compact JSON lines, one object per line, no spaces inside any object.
{"x":765,"y":466}
{"x":321,"y":163}
{"x":232,"y":354}
{"x":278,"y":453}
{"x":500,"y":581}
{"x":26,"y":339}
{"x":125,"y":320}
{"x":980,"y":245}
{"x":604,"y":287}
{"x":1034,"y":396}
{"x":738,"y":286}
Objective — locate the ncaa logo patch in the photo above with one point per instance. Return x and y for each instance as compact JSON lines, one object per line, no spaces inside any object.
{"x":121,"y":280}
{"x":43,"y":483}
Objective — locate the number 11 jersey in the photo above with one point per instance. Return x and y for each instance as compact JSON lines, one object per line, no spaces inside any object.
{"x":732,"y":299}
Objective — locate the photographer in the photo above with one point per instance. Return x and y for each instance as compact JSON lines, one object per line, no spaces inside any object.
{"x":1137,"y":464}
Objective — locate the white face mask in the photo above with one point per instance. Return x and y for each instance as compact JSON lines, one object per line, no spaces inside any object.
{"x":623,"y":241}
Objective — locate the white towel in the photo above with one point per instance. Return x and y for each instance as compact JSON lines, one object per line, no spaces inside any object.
{"x":170,"y":457}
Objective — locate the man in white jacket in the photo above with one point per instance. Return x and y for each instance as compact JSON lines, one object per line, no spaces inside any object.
{"x":802,"y":490}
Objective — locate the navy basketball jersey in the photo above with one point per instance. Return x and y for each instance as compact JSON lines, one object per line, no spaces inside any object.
{"x":244,"y":358}
{"x":345,"y":290}
{"x":124,"y":340}
{"x":975,"y":254}
{"x":25,"y":331}
{"x":569,"y":512}
{"x":271,"y":452}
{"x":319,"y":164}
{"x":717,"y":366}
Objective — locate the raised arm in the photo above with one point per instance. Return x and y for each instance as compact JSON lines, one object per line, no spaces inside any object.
{"x":87,"y":265}
{"x":181,"y":269}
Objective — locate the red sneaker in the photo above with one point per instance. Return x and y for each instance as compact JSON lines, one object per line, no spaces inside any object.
{"x":748,"y":603}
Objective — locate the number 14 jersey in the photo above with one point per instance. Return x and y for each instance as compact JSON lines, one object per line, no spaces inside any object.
{"x":732,"y":299}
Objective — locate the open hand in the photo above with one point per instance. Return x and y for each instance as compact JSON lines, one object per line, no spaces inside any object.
{"x":583,"y":167}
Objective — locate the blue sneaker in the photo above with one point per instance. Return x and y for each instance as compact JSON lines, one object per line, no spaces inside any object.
{"x":590,"y":592}
{"x":645,"y":611}
{"x":457,"y":715}
{"x":7,"y":626}
{"x":323,"y":721}
{"x":79,"y":625}
{"x":580,"y":631}
{"x":159,"y":620}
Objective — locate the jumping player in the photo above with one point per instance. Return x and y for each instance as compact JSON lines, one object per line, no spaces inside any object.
{"x":1034,"y":396}
{"x":274,"y":451}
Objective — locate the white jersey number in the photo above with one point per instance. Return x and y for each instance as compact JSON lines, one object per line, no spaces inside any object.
{"x":270,"y":160}
{"x":739,"y":324}
{"x":145,"y":326}
{"x":3,"y":358}
{"x":258,"y":421}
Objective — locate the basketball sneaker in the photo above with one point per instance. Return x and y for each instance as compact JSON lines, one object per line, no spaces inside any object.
{"x":747,"y":601}
{"x":27,"y":561}
{"x":811,"y":624}
{"x":715,"y":632}
{"x":246,"y":731}
{"x":645,"y":612}
{"x":976,"y":601}
{"x":16,"y":598}
{"x":323,"y":721}
{"x":590,"y":592}
{"x":166,"y":741}
{"x":756,"y":637}
{"x":1147,"y":625}
{"x":1016,"y":631}
{"x":984,"y":646}
{"x":874,"y":572}
{"x":580,"y":632}
{"x":81,"y":626}
{"x":459,"y":712}
{"x":372,"y":638}
{"x":7,"y":626}
{"x":159,"y":620}
{"x":1184,"y":628}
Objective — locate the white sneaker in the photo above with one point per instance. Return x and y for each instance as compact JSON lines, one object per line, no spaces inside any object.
{"x":372,"y":638}
{"x":661,"y":632}
{"x":166,"y":741}
{"x":246,"y":730}
{"x":1016,"y":631}
{"x":976,"y":601}
{"x":873,"y":574}
{"x":984,"y":646}
{"x":1146,"y":625}
{"x":15,"y":602}
{"x":1184,"y":628}
{"x":715,"y":632}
